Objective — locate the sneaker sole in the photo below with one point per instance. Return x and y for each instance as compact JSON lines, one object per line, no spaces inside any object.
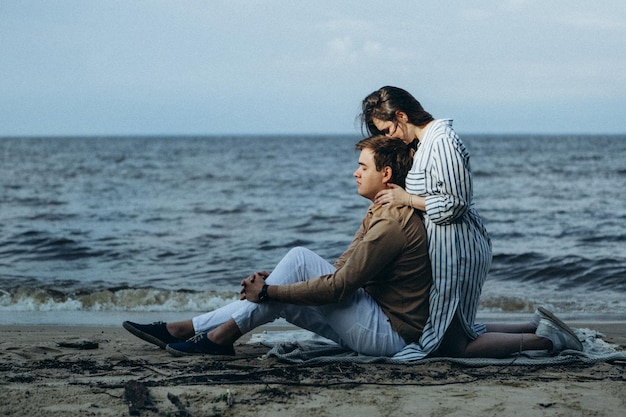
{"x":551,"y":317}
{"x":176,"y":352}
{"x":143,"y":335}
{"x":179,"y":353}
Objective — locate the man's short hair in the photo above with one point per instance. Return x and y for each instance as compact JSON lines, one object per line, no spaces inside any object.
{"x":389,"y":152}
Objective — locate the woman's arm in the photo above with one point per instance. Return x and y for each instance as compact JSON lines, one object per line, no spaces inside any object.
{"x":451,"y":177}
{"x":397,"y":195}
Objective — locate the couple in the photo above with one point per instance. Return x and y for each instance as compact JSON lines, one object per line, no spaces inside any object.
{"x":382,"y":297}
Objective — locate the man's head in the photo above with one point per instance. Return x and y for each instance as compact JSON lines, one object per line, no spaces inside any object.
{"x":382,"y":161}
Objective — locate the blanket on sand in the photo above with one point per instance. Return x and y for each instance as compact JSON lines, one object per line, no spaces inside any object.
{"x":304,"y":347}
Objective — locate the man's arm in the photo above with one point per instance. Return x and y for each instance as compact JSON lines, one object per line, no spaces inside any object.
{"x":379,"y":246}
{"x":358,"y":236}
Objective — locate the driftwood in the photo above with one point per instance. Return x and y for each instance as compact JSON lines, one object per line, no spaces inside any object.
{"x":182,"y":410}
{"x":81,"y":345}
{"x":137,"y":396}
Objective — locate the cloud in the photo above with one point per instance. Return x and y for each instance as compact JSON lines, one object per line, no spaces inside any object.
{"x":589,"y":22}
{"x":167,"y":63}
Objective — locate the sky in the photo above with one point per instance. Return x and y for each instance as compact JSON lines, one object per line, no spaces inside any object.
{"x":88,"y":67}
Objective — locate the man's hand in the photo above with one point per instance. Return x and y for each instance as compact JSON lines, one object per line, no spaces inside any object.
{"x":252,"y":286}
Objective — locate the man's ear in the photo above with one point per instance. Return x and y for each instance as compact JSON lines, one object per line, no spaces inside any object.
{"x":387,"y":174}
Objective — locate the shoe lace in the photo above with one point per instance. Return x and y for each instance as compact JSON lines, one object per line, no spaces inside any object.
{"x":197,"y":338}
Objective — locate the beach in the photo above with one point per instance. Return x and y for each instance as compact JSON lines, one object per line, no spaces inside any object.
{"x":57,"y":370}
{"x":96,"y":231}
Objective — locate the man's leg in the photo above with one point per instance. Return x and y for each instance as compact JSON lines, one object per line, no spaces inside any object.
{"x":357,"y":322}
{"x":299,"y":264}
{"x":363,"y":326}
{"x":227,"y":324}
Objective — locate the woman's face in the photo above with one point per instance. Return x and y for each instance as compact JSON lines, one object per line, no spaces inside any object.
{"x":397,"y":129}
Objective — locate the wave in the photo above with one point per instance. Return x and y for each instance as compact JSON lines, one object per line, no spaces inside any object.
{"x":39,"y":305}
{"x":561,"y":271}
{"x":41,"y":246}
{"x":125,"y":299}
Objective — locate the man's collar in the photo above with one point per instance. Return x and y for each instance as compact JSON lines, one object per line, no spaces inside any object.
{"x":373,"y":208}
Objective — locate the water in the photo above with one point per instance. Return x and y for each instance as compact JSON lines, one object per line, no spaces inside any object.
{"x":93,"y":229}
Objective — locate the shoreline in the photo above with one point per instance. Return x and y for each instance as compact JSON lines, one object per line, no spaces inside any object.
{"x":40,"y":378}
{"x":115,"y":318}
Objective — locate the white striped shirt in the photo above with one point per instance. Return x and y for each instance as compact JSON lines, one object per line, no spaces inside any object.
{"x":458,"y":243}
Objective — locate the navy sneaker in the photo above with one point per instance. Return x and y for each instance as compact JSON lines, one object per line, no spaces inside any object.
{"x":199,"y":345}
{"x":155,"y":333}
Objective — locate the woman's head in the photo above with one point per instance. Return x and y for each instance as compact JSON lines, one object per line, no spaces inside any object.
{"x":386,"y":105}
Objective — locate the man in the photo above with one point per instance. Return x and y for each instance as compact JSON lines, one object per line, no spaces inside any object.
{"x":373,"y":300}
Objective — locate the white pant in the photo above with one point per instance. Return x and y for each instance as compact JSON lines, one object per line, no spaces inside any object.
{"x":357,"y":322}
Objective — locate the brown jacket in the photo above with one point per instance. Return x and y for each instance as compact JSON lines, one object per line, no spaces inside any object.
{"x":389,"y":259}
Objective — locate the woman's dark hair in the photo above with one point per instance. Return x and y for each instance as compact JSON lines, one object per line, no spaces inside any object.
{"x":389,"y":152}
{"x":383,"y":104}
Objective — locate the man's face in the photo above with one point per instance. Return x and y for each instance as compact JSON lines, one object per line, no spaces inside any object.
{"x":369,"y":181}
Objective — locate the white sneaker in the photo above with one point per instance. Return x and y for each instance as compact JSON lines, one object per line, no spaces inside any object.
{"x":561,"y":336}
{"x":544,"y":313}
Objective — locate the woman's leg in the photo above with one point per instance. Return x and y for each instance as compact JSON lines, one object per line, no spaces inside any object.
{"x":456,"y":343}
{"x":511,"y":328}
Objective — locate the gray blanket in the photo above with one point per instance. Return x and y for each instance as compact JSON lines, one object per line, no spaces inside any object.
{"x":303,"y":347}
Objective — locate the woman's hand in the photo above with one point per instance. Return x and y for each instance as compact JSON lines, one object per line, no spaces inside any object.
{"x":252,"y":286}
{"x":394,"y":195}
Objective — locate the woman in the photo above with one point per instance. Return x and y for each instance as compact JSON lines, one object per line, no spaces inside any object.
{"x":440,"y":185}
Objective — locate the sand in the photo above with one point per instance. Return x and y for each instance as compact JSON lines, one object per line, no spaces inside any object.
{"x":51,"y":371}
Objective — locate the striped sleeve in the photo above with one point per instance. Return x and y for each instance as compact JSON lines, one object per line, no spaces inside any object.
{"x":452,"y":174}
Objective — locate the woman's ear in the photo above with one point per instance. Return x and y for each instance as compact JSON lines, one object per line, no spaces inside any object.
{"x":401,"y":116}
